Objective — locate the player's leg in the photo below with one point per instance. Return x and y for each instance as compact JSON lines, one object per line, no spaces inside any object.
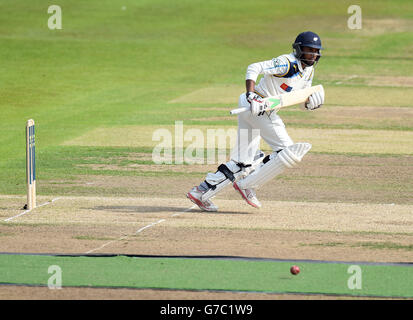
{"x":274,"y":165}
{"x":286,"y":154}
{"x":244,"y":156}
{"x":246,"y":148}
{"x":273,"y":131}
{"x":226,"y":174}
{"x":248,"y":136}
{"x":213,"y":183}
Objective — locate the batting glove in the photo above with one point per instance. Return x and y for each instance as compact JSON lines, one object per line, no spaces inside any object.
{"x":315,"y":101}
{"x":257,"y":104}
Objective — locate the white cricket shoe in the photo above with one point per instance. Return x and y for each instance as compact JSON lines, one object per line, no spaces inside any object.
{"x":195,"y":196}
{"x":248,"y":195}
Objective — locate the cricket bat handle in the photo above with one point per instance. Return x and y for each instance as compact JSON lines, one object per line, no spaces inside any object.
{"x":239,"y":110}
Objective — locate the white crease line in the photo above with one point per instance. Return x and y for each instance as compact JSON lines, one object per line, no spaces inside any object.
{"x":186,"y":210}
{"x":140,"y":230}
{"x":148,"y":226}
{"x":104,"y":245}
{"x":27,"y":211}
{"x":125,"y":237}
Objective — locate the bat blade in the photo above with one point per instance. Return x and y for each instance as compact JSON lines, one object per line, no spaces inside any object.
{"x":299,"y":96}
{"x":285,"y":99}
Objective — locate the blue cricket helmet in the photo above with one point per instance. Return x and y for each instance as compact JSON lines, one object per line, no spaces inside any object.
{"x":307,"y":39}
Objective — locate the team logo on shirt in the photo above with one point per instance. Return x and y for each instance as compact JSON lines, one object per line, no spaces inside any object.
{"x":286,"y":87}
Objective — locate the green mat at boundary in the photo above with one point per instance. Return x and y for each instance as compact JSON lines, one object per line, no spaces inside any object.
{"x":209,"y":274}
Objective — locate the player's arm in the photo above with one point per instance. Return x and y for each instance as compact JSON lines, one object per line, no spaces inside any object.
{"x":278,"y":67}
{"x":250,"y":85}
{"x":253,"y":71}
{"x":256,"y":101}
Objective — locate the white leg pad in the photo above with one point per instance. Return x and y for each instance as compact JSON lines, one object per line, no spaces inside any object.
{"x":287,"y":158}
{"x":212,"y":192}
{"x":220,"y":181}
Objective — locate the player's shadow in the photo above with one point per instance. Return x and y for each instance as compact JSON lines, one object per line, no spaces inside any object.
{"x":152,"y":209}
{"x":221,"y":212}
{"x":140,"y":209}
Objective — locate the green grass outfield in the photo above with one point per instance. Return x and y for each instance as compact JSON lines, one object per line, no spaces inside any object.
{"x":207,"y":274}
{"x":118,"y":64}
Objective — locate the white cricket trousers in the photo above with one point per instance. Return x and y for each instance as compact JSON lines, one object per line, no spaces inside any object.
{"x":252,"y":128}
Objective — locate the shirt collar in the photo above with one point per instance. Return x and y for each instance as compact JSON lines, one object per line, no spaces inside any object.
{"x":300,"y":66}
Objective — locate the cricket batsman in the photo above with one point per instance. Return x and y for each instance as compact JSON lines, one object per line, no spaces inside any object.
{"x":248,"y":167}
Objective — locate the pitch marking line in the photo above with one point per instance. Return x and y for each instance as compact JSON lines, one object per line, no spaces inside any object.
{"x":27,"y":211}
{"x":150,"y":225}
{"x":139,"y":231}
{"x":186,"y":210}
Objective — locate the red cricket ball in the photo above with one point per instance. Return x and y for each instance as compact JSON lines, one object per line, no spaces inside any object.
{"x":295,"y":270}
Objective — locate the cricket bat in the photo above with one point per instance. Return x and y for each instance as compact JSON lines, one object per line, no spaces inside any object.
{"x":285,"y":99}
